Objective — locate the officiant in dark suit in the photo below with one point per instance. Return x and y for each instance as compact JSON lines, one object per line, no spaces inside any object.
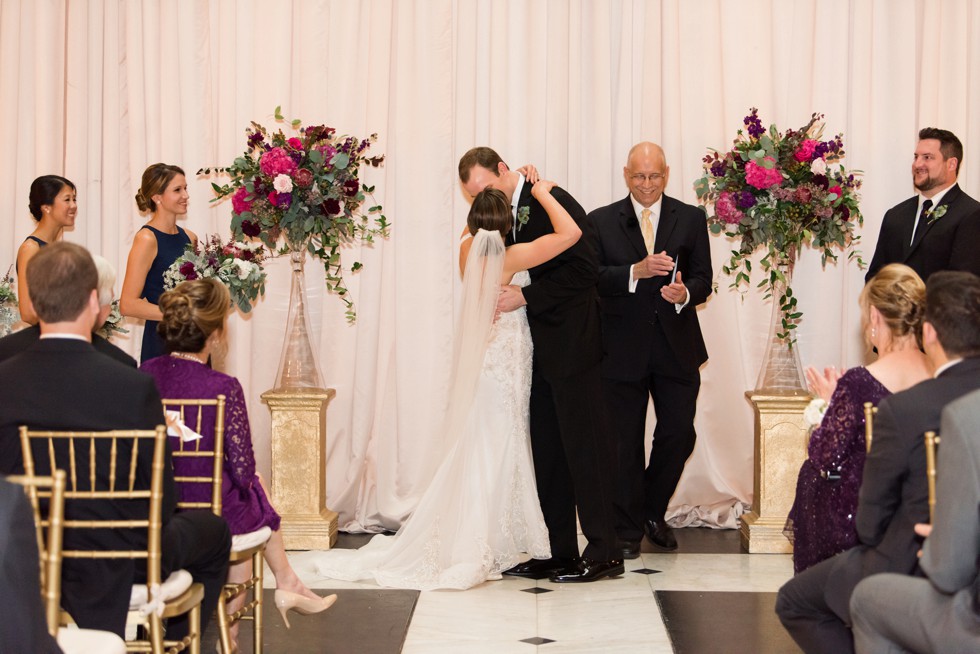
{"x":572,"y":459}
{"x":654,"y":270}
{"x":62,"y":383}
{"x":939,"y":227}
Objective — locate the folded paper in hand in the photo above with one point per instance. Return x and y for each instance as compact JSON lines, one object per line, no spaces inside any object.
{"x":176,"y":427}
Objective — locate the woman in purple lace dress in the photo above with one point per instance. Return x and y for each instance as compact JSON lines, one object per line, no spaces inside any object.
{"x":821,"y":522}
{"x":193,"y":320}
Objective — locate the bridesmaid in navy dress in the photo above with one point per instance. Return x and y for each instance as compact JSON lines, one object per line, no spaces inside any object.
{"x":821,"y":522}
{"x":53,"y":205}
{"x":193,"y":321}
{"x":163,"y":192}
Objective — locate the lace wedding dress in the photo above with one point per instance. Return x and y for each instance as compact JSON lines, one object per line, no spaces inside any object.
{"x":481,"y":511}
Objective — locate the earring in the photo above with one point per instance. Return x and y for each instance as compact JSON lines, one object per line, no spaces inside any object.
{"x":874,"y":333}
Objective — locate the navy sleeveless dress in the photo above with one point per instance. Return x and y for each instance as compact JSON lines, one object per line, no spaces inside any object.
{"x":39,"y":242}
{"x":169,"y":249}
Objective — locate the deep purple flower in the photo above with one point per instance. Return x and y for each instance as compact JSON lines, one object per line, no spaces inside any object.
{"x":845,"y":213}
{"x":187,"y":270}
{"x":718,"y":169}
{"x":745,"y":200}
{"x":283,"y":200}
{"x":255,"y":138}
{"x":821,"y":181}
{"x":213,"y":262}
{"x":350,"y":187}
{"x":753,"y":124}
{"x":250,"y":229}
{"x":331,"y":206}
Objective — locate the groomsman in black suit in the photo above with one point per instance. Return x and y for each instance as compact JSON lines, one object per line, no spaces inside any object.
{"x":572,"y":459}
{"x":939,"y":228}
{"x":654,"y":270}
{"x":62,"y":383}
{"x":814,"y":605}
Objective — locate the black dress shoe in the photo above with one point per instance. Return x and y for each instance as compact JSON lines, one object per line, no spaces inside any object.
{"x":660,"y":534}
{"x":588,"y":570}
{"x":629,"y":549}
{"x":540,"y":568}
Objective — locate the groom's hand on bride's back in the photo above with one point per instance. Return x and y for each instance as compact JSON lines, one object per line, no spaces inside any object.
{"x":511,"y":297}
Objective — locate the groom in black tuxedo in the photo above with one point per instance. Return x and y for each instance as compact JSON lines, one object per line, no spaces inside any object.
{"x":939,"y":227}
{"x":62,"y":383}
{"x":654,"y":270}
{"x":572,"y":458}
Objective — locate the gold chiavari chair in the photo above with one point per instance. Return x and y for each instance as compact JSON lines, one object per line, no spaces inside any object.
{"x":192,"y":415}
{"x":49,"y":531}
{"x":870,"y":411}
{"x":105,"y":466}
{"x":932,"y":441}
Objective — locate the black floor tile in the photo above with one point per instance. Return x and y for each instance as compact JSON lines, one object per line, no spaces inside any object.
{"x":375,"y":620}
{"x":702,"y":540}
{"x":734,"y":623}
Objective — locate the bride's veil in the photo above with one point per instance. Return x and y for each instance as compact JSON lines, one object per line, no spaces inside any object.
{"x":481,"y":286}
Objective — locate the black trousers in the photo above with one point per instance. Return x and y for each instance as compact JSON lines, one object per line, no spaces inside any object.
{"x":644,"y":489}
{"x":573,"y":462}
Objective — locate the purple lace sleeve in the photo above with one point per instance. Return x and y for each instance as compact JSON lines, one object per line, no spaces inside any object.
{"x":835,"y":439}
{"x":239,"y":456}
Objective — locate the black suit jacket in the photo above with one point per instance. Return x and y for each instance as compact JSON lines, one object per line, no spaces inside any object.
{"x":894,"y":492}
{"x":19,"y":341}
{"x":627,"y":317}
{"x":65,"y":384}
{"x":562,"y":307}
{"x":950,"y":242}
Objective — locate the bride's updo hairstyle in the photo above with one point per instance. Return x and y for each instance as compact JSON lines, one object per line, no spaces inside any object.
{"x":899,"y":295}
{"x":155,"y":180}
{"x":490,"y":211}
{"x":191,"y":313}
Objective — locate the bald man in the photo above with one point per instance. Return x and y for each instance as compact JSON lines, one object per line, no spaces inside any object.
{"x":654,"y":270}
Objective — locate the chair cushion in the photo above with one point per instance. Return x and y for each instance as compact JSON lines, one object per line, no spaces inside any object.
{"x":73,"y":640}
{"x":174,"y":586}
{"x":243,"y":542}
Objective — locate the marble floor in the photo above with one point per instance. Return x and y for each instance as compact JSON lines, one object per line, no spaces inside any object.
{"x":708,"y":597}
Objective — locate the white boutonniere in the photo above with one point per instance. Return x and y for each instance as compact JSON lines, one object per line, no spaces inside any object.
{"x":935,"y":213}
{"x":814,"y":412}
{"x":523,"y":213}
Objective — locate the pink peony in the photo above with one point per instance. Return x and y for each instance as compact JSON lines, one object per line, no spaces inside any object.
{"x":726,"y":210}
{"x":805,"y":152}
{"x":238,"y":202}
{"x":277,"y":162}
{"x":760,"y":177}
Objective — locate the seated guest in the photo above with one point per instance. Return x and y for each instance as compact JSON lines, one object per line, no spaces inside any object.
{"x":821,"y":522}
{"x":193,"y":321}
{"x":19,"y":341}
{"x":61,"y":383}
{"x":813,"y":605}
{"x":941,"y":613}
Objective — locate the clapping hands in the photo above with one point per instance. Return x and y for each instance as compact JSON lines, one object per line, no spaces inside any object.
{"x":822,"y":384}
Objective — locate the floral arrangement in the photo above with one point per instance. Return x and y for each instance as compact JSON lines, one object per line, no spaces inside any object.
{"x":814,"y":412}
{"x":113,"y":323}
{"x":7,"y":284}
{"x":237,"y":265}
{"x":780,"y":191}
{"x":305,"y":188}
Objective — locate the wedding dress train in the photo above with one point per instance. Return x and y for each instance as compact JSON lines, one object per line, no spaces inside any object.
{"x":481,"y":511}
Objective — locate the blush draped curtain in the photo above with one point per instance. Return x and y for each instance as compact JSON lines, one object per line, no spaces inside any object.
{"x":97,"y":90}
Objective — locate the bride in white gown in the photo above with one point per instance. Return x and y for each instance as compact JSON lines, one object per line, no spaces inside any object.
{"x":481,"y":511}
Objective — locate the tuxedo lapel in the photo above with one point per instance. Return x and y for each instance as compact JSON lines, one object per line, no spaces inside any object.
{"x":668,"y":221}
{"x":951,"y":195}
{"x":630,"y":227}
{"x":524,"y":200}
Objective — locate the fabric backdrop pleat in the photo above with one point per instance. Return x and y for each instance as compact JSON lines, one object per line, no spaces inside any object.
{"x":97,"y":90}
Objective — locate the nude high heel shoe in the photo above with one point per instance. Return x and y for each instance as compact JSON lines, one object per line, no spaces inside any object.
{"x":287,"y":601}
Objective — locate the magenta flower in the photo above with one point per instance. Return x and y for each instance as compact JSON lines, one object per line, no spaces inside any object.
{"x":238,"y":202}
{"x":187,"y":270}
{"x":295,"y":143}
{"x":760,"y":177}
{"x":726,"y":210}
{"x":277,"y":162}
{"x":805,"y":151}
{"x":836,"y":190}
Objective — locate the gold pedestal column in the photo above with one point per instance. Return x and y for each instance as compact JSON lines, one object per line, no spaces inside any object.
{"x":780,"y":448}
{"x":299,"y":467}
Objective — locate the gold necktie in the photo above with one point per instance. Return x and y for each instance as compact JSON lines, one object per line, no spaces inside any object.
{"x":646,"y":226}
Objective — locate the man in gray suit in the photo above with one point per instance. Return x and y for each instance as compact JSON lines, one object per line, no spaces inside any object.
{"x":897,"y":613}
{"x":814,"y":606}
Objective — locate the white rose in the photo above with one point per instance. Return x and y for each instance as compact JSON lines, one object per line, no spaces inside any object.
{"x":814,"y":412}
{"x":818,"y":167}
{"x":244,"y":269}
{"x":282,"y":183}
